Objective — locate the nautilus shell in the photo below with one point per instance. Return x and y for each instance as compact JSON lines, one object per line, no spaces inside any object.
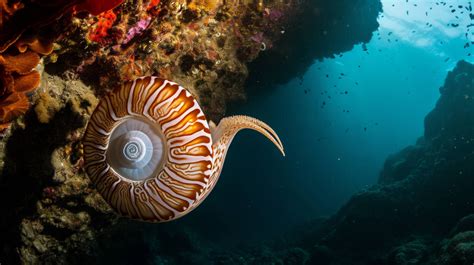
{"x":152,"y":154}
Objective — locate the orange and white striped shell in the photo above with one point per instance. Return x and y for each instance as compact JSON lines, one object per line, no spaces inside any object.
{"x":151,"y":153}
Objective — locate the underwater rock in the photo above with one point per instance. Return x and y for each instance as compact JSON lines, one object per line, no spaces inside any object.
{"x":399,"y":166}
{"x":422,"y":193}
{"x":411,"y":253}
{"x":295,"y":256}
{"x":458,"y":250}
{"x":465,"y":224}
{"x":317,"y":30}
{"x":259,"y":255}
{"x":453,"y":112}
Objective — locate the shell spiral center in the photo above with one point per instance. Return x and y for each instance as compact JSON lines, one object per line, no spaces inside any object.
{"x":136,"y":149}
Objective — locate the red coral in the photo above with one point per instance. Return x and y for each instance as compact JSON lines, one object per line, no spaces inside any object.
{"x":152,"y":4}
{"x":100,"y":32}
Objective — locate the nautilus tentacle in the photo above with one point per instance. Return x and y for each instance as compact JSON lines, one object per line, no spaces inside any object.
{"x":149,"y":150}
{"x":228,"y":127}
{"x":224,"y":133}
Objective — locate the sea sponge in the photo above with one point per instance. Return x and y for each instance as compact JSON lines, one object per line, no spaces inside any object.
{"x":46,"y":107}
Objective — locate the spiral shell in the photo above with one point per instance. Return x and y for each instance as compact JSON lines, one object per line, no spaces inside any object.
{"x":149,"y":150}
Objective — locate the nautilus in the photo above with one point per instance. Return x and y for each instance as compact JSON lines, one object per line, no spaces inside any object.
{"x":151,"y":152}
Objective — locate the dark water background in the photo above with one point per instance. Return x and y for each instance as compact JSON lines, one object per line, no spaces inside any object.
{"x":338,"y":123}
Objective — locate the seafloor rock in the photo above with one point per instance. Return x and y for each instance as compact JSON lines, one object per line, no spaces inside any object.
{"x":410,"y":253}
{"x":323,"y":29}
{"x":422,"y":194}
{"x":465,"y":224}
{"x":458,"y":250}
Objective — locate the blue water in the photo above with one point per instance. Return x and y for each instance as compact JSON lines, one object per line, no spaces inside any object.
{"x":338,"y":124}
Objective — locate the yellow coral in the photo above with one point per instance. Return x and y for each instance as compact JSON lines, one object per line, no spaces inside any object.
{"x":208,"y":5}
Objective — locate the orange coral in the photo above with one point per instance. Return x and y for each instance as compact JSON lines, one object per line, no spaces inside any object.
{"x":152,"y":4}
{"x":12,"y":106}
{"x":26,"y":83}
{"x":105,"y":22}
{"x":21,"y":45}
{"x":18,"y":77}
{"x":21,"y":63}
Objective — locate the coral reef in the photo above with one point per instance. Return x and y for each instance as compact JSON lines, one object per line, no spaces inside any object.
{"x":27,"y":31}
{"x":203,"y":45}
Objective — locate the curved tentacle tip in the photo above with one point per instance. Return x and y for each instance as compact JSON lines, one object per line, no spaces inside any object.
{"x":255,"y":124}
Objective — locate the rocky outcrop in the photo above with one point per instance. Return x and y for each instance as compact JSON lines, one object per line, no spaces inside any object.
{"x":321,"y":30}
{"x":423,"y":196}
{"x":50,"y":208}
